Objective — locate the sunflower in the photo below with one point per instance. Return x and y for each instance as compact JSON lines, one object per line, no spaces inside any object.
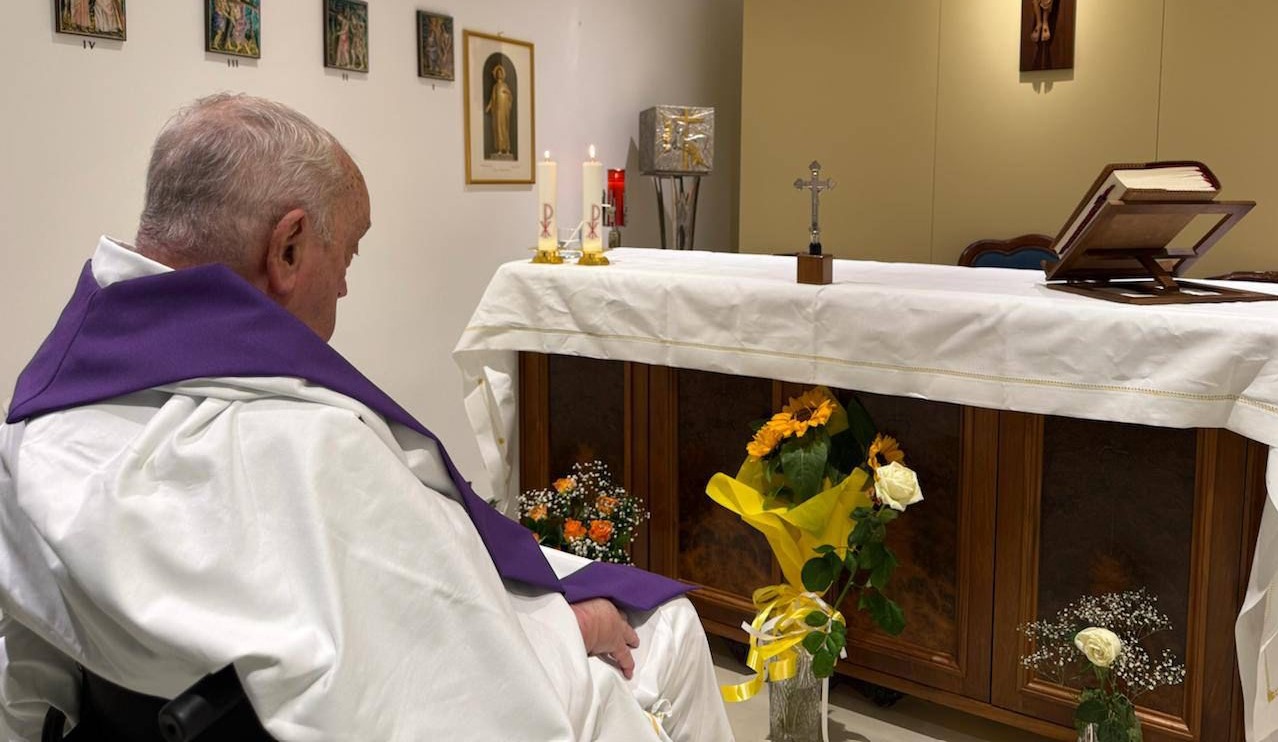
{"x":811,"y":399}
{"x":884,"y":450}
{"x":766,"y":438}
{"x":812,"y":410}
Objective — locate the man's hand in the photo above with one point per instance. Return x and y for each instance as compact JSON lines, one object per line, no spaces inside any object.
{"x":606,"y":632}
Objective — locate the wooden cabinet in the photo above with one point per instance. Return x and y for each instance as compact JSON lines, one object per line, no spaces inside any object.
{"x":1023,"y":514}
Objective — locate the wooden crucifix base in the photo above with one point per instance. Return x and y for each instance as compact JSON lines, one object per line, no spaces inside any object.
{"x":816,"y":269}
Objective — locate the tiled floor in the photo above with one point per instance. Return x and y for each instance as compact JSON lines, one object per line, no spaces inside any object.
{"x":853,"y":719}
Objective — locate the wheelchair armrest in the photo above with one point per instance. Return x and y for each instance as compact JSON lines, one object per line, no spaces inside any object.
{"x":199,"y":707}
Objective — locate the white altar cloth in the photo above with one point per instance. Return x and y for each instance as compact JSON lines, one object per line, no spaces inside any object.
{"x":985,"y":337}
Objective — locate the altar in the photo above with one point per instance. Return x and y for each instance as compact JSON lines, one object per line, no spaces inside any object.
{"x":1065,"y":446}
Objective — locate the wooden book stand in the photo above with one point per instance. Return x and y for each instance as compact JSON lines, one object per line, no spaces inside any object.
{"x":1122,"y":254}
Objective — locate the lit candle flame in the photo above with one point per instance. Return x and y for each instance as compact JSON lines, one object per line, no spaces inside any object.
{"x":546,"y":156}
{"x":592,"y":151}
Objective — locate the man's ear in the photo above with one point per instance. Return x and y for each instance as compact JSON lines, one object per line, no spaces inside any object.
{"x":284,"y":253}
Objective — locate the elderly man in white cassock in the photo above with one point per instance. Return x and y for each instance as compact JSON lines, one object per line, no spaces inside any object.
{"x":192,"y":478}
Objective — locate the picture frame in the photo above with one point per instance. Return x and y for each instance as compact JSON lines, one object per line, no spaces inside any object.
{"x":499,"y":106}
{"x":435,"y":48}
{"x":346,"y":35}
{"x":233,"y":27}
{"x":104,"y":19}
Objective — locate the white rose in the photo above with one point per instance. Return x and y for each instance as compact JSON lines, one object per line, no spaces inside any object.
{"x":897,"y":486}
{"x":1101,"y":646}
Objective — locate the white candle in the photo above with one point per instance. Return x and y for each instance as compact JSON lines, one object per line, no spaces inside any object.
{"x":547,"y":190}
{"x":592,"y":185}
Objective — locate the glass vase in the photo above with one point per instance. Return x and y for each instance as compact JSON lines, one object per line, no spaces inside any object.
{"x":794,"y":705}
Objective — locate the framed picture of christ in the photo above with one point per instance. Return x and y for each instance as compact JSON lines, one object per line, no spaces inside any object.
{"x":104,"y":19}
{"x":497,"y":74}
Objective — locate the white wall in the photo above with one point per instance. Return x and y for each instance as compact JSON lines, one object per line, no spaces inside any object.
{"x":78,"y":124}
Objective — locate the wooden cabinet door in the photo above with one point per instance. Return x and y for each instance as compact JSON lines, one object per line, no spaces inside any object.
{"x":946,"y":548}
{"x":1091,"y":507}
{"x":700,"y":425}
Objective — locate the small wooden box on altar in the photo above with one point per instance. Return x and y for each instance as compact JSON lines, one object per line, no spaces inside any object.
{"x":817,"y":270}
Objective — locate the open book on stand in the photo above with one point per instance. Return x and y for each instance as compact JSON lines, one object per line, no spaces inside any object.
{"x":1115,"y":245}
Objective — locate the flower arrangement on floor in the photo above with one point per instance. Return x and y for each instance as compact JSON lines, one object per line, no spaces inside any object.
{"x":822,"y":485}
{"x":1098,"y":641}
{"x":585,"y":514}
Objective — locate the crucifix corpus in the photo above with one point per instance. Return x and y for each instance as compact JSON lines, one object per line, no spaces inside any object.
{"x":816,"y":185}
{"x":814,"y":267}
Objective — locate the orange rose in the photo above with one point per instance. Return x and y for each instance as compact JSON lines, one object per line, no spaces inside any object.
{"x":600,"y":531}
{"x":573,"y":529}
{"x":606,"y":504}
{"x":538,"y":512}
{"x":562,"y":485}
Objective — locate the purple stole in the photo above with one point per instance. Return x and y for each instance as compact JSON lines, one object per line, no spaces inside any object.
{"x":207,"y":322}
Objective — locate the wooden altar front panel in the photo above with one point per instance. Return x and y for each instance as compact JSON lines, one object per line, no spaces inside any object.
{"x":1090,"y":507}
{"x":1017,"y":521}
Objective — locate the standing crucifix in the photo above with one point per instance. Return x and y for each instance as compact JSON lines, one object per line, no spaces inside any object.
{"x":816,"y":185}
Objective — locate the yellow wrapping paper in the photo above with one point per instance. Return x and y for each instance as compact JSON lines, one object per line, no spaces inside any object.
{"x":792,"y":532}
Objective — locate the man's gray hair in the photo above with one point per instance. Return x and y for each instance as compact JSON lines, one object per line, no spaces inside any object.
{"x":226,"y":169}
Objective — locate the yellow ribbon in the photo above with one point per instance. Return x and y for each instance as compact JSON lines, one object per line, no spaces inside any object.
{"x":775,"y":635}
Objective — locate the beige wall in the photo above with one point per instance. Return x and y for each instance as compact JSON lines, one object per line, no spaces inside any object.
{"x":78,"y":124}
{"x":918,"y":110}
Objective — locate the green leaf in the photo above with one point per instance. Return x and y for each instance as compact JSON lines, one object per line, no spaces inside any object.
{"x":1111,"y":730}
{"x":836,"y":565}
{"x":814,"y":641}
{"x":861,"y":534}
{"x":824,"y":549}
{"x":839,"y":631}
{"x":833,"y":644}
{"x":887,"y":515}
{"x":872,"y":555}
{"x":877,"y":532}
{"x":862,"y":513}
{"x":886,"y":613}
{"x":816,"y":618}
{"x":823,"y":664}
{"x":803,"y":460}
{"x":882,"y":572}
{"x":817,"y":575}
{"x":846,"y":453}
{"x":860,"y":424}
{"x":850,"y":560}
{"x":1091,"y":711}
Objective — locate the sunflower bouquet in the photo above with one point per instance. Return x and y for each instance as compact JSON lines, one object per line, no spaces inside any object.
{"x":822,"y":485}
{"x":585,"y":514}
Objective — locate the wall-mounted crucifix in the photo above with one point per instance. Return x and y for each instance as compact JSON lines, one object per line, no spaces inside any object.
{"x":1047,"y":34}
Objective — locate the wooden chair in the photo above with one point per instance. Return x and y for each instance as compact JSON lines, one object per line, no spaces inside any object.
{"x":1027,"y":251}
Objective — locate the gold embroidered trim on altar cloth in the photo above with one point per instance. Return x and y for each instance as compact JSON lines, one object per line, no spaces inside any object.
{"x":1272,"y":409}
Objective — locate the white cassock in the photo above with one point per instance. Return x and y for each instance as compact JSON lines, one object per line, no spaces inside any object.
{"x":287,"y":529}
